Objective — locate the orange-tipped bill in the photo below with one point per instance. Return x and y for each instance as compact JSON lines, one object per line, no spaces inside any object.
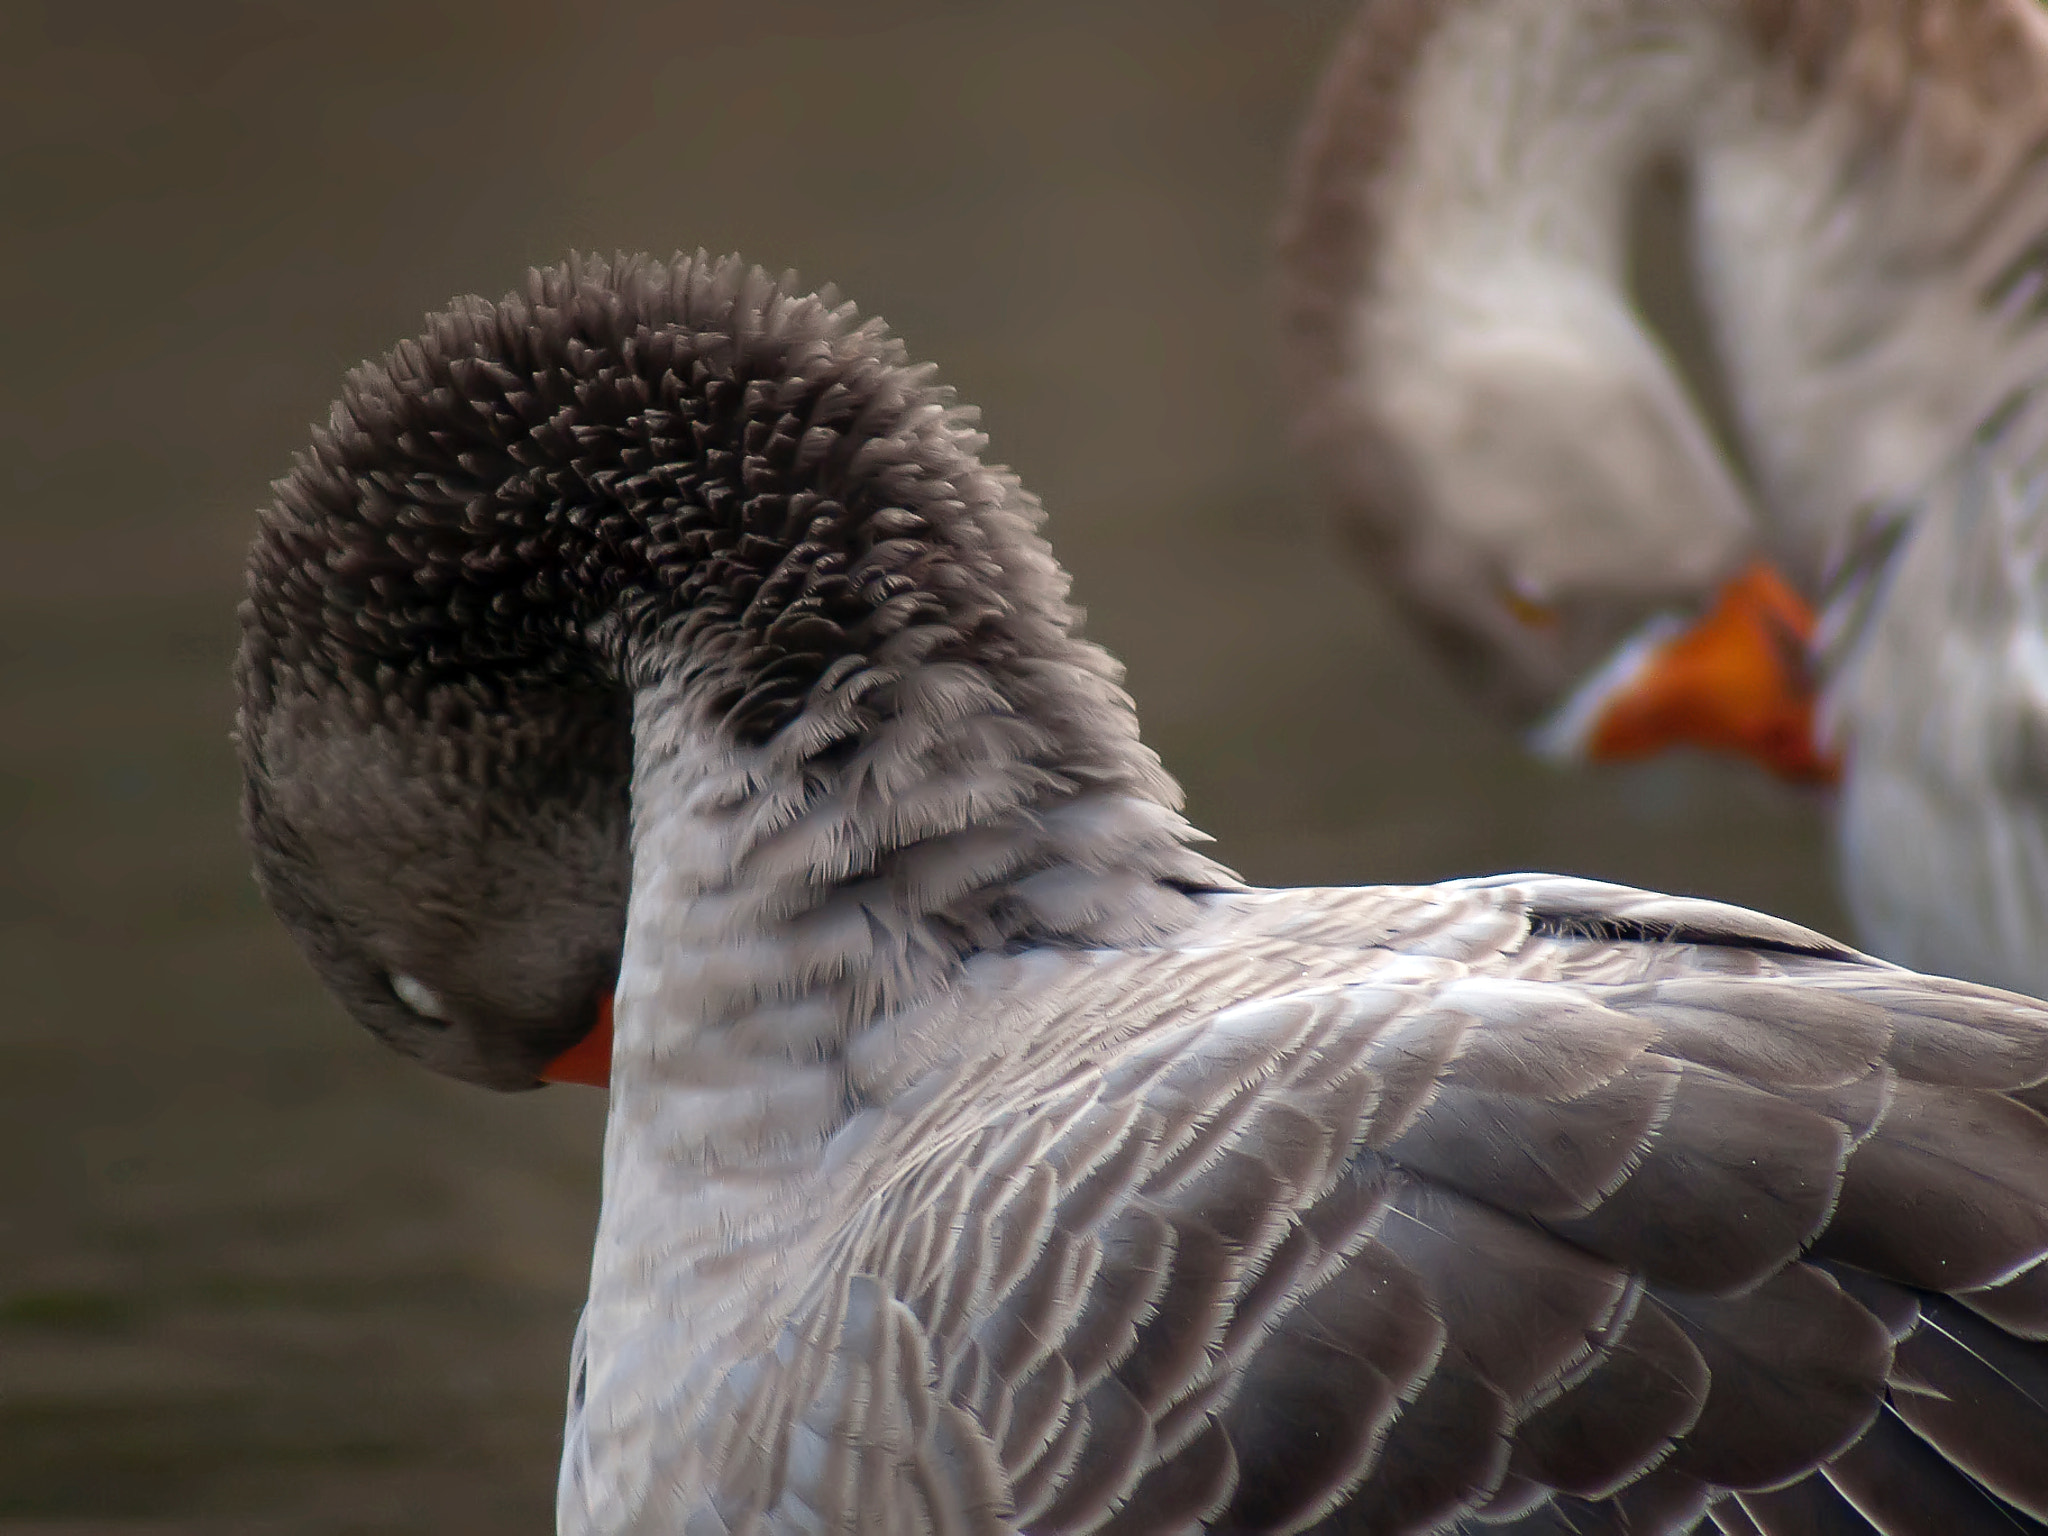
{"x":589,"y":1060}
{"x":1738,"y":680}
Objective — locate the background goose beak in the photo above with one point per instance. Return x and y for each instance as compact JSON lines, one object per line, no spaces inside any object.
{"x":1738,"y":680}
{"x":589,"y":1060}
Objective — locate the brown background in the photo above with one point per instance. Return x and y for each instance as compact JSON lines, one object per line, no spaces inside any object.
{"x":254,"y":1273}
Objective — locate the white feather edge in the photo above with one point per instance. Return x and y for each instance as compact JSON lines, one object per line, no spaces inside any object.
{"x":1565,"y":734}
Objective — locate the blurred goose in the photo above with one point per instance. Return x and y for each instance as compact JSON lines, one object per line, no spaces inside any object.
{"x":1844,"y":201}
{"x":983,"y":1157}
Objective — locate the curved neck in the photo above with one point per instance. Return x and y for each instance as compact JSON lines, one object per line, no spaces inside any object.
{"x":796,"y":900}
{"x":1866,"y":189}
{"x":868,"y":742}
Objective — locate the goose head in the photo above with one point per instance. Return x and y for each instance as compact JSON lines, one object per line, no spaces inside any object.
{"x":663,"y":567}
{"x":441,"y":824}
{"x":1505,"y":441}
{"x":1534,"y":483}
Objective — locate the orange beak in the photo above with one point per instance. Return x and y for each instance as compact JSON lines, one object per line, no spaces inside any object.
{"x":589,"y":1060}
{"x":1737,"y":681}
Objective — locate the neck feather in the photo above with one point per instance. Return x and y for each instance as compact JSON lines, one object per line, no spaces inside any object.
{"x":793,"y":896}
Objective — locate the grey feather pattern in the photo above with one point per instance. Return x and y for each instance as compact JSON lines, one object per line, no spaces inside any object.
{"x":1390,"y":1244}
{"x":983,"y":1158}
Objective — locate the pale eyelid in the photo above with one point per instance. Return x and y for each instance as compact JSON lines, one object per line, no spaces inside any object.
{"x":1529,"y":611}
{"x":419,"y":997}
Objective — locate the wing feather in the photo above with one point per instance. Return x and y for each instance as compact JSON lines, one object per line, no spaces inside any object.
{"x":1735,"y":1183}
{"x":1947,"y":1193}
{"x":1114,"y":1454}
{"x":1183,"y":1491}
{"x":1447,"y":1451}
{"x":1520,"y":1308}
{"x":1647,"y":1389}
{"x":1659,"y":1503}
{"x":2018,"y":1305}
{"x":1317,"y":1398}
{"x":1764,"y":1030}
{"x":1899,"y":1483}
{"x":1583,"y":1211}
{"x":1809,"y":1507}
{"x":1796,"y":1368}
{"x":1979,"y":1396}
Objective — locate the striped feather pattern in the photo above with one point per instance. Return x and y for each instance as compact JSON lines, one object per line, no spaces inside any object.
{"x":1423,"y":1210}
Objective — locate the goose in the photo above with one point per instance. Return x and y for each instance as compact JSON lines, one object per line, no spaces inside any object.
{"x":644,"y":681}
{"x":1857,"y":191}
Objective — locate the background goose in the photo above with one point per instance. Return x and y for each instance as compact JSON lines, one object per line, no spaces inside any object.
{"x":980,"y":1154}
{"x":1833,"y":210}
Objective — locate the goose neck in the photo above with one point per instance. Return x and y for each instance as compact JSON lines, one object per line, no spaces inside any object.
{"x":797,"y":900}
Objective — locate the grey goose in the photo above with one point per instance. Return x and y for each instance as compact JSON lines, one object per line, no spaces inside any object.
{"x":1842,"y":203}
{"x":981,"y":1155}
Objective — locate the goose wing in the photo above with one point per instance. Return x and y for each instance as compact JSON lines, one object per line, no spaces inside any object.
{"x":1542,"y":1206}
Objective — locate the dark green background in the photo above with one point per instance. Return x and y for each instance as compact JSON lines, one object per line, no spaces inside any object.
{"x":256,"y":1275}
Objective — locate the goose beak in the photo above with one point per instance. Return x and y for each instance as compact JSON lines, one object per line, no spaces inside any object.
{"x":1738,"y":680}
{"x":589,"y":1060}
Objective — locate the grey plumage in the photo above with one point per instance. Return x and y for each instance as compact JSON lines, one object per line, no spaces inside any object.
{"x":981,"y":1156}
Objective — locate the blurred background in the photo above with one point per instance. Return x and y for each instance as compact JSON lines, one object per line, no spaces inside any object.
{"x":257,"y":1275}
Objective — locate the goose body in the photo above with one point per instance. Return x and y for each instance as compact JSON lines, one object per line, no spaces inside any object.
{"x":982,"y":1156}
{"x":1511,"y":442}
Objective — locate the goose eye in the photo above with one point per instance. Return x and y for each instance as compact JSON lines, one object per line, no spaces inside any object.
{"x":1528,"y":609}
{"x":420,"y":998}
